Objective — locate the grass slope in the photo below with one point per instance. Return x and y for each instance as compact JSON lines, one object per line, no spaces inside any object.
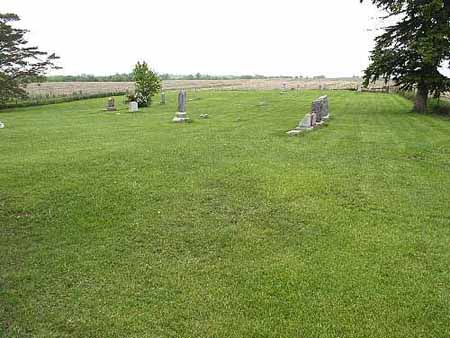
{"x":131,"y":226}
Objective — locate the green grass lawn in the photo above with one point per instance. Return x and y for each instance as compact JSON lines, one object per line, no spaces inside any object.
{"x":127,"y":225}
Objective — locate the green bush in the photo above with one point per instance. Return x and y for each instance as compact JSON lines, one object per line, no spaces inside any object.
{"x":147,"y":84}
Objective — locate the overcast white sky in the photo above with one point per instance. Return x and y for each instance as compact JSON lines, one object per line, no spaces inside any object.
{"x":270,"y":37}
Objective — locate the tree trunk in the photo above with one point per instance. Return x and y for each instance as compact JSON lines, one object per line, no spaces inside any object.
{"x":420,"y":105}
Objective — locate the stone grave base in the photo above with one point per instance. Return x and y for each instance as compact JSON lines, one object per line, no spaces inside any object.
{"x":297,"y":131}
{"x":180,"y":117}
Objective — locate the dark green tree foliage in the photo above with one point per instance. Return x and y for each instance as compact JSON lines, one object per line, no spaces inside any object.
{"x":147,"y":84}
{"x":411,"y":51}
{"x":19,"y":63}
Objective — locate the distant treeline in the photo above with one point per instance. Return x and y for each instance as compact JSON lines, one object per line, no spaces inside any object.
{"x":198,"y":76}
{"x":91,"y":78}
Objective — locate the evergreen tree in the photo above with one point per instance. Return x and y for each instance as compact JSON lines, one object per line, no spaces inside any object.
{"x":19,"y":63}
{"x":412,"y":51}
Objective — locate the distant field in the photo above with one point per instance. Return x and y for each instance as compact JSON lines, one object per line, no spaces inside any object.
{"x":71,"y":88}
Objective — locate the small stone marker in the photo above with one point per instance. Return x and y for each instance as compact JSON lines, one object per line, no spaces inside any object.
{"x":359,"y":88}
{"x":181,"y":116}
{"x":111,"y":106}
{"x":163,"y":98}
{"x":204,"y":116}
{"x":2,"y":125}
{"x":306,"y":122}
{"x":133,"y":107}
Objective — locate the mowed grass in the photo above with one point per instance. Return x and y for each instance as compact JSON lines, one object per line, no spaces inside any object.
{"x":127,"y":225}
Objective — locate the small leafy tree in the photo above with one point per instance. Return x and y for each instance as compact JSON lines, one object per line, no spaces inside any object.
{"x":19,"y":63}
{"x":412,"y":50}
{"x":147,"y":84}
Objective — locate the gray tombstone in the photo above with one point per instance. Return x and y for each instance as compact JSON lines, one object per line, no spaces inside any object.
{"x":111,"y":106}
{"x":306,"y":122}
{"x":316,"y":108}
{"x":182,"y":101}
{"x":163,"y":98}
{"x":319,"y":114}
{"x":181,"y":116}
{"x":325,"y":108}
{"x":313,"y":119}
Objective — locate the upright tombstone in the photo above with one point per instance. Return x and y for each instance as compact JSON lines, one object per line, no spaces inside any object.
{"x":325,"y":108}
{"x":313,"y":119}
{"x":163,"y":98}
{"x":2,"y":125}
{"x":111,"y":106}
{"x":359,"y":88}
{"x":319,"y":113}
{"x":181,"y":115}
{"x":182,"y":101}
{"x":316,"y":108}
{"x":133,"y":106}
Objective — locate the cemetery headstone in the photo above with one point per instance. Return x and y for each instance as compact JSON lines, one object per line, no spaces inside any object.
{"x":182,"y":101}
{"x":2,"y":125}
{"x":133,"y":106}
{"x":319,"y":113}
{"x":325,"y":108}
{"x":313,"y":119}
{"x":111,"y":106}
{"x":306,"y":122}
{"x":316,"y":108}
{"x":163,"y":98}
{"x":181,"y":115}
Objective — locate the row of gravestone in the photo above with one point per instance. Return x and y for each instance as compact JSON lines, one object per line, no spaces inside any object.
{"x":132,"y":105}
{"x":318,"y":115}
{"x":180,"y":116}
